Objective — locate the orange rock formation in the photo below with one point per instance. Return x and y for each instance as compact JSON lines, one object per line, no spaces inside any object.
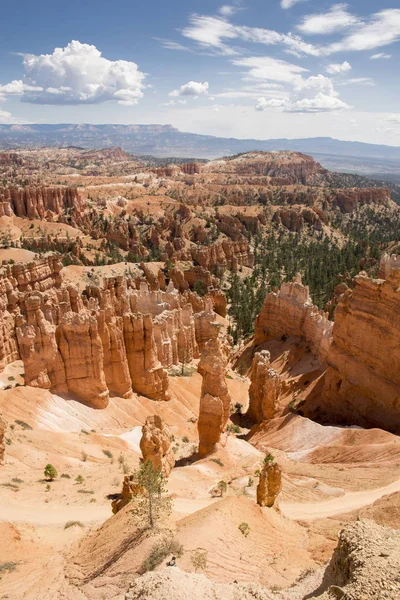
{"x":155,"y":444}
{"x":270,"y":484}
{"x":215,"y":400}
{"x":264,"y":390}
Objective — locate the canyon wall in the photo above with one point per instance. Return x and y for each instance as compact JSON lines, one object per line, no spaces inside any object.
{"x":37,"y":202}
{"x":362,"y":384}
{"x":290,"y":311}
{"x":2,"y":446}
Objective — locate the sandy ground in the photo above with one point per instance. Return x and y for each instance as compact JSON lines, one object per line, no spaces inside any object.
{"x":328,"y":471}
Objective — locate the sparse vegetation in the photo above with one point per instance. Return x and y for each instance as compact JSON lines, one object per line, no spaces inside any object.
{"x":50,"y":472}
{"x":159,"y":552}
{"x":198,"y":558}
{"x":69,"y":524}
{"x":154,"y":503}
{"x":244,"y":529}
{"x":79,"y":479}
{"x":108,"y":453}
{"x":7,"y":567}
{"x":217,"y":461}
{"x":23,"y":424}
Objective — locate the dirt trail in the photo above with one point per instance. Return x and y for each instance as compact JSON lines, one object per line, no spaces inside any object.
{"x":347,"y":503}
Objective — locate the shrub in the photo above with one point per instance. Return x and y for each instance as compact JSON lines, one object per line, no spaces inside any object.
{"x":161,"y":549}
{"x":50,"y":472}
{"x":85,"y":491}
{"x":17,"y":480}
{"x":22,"y":424}
{"x":250,"y":482}
{"x":185,"y":439}
{"x":79,"y":479}
{"x":84,"y":456}
{"x":217,"y":461}
{"x":268,"y":459}
{"x":108,"y":454}
{"x":69,"y":524}
{"x":199,"y":559}
{"x":7,"y":566}
{"x":244,"y":529}
{"x":65,"y":476}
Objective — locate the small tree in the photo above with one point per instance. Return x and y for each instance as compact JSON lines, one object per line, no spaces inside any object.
{"x":153,"y":503}
{"x":50,"y":472}
{"x":244,"y":529}
{"x":268,"y":459}
{"x":222,"y":487}
{"x":199,"y":559}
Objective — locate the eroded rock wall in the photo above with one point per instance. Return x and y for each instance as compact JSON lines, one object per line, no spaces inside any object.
{"x":290,"y":311}
{"x":362,"y":384}
{"x":37,"y":202}
{"x":156,"y":444}
{"x":265,"y":388}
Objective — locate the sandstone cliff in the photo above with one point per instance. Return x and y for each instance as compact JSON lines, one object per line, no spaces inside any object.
{"x":362,"y":383}
{"x":264,"y":390}
{"x":38,"y":202}
{"x":155,"y":444}
{"x":290,"y":311}
{"x":215,"y":400}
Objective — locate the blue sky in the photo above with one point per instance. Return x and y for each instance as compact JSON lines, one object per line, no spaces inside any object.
{"x":255,"y":68}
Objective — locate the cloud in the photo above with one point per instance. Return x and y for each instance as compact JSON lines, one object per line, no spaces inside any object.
{"x":336,"y":19}
{"x":393,"y":119}
{"x":214,"y":32}
{"x":320,"y":103}
{"x":358,"y":81}
{"x":262,"y":103}
{"x":382,"y":29}
{"x":313,"y":94}
{"x":272,"y":69}
{"x":336,"y":68}
{"x":170,"y":44}
{"x":380,"y":55}
{"x":192,"y":88}
{"x":6,"y":118}
{"x":77,"y":74}
{"x":227,"y":10}
{"x":285,"y":4}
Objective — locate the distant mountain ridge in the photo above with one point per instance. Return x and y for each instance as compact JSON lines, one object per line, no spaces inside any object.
{"x":166,"y":140}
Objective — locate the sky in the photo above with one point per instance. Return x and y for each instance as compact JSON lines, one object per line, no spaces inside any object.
{"x":248,"y":68}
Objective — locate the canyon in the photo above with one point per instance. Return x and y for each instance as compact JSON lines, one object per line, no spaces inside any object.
{"x":233,"y":322}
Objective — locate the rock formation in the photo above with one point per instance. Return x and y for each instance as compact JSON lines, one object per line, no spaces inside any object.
{"x":116,"y":337}
{"x":215,"y":400}
{"x":362,"y":384}
{"x":290,"y":311}
{"x":365,"y":564}
{"x":129,"y":490}
{"x":264,"y":388}
{"x":2,"y":447}
{"x":37,"y":202}
{"x":270,"y":484}
{"x":155,"y":444}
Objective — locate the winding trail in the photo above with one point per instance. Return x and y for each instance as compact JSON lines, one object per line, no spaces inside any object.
{"x":347,"y":503}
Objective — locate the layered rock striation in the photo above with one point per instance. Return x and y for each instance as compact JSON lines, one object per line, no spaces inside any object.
{"x":290,"y":312}
{"x":362,"y":384}
{"x":2,"y":446}
{"x":38,"y":202}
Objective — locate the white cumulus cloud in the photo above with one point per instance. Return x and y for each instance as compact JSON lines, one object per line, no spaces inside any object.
{"x":320,"y":103}
{"x":192,"y":88}
{"x":77,"y":74}
{"x":264,"y":103}
{"x":336,"y":68}
{"x":336,"y":19}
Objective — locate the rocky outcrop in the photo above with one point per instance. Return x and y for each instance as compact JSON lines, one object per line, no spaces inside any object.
{"x":38,"y":202}
{"x":2,"y":446}
{"x":215,"y":400}
{"x":362,"y":384}
{"x":349,"y":200}
{"x":264,"y":390}
{"x":270,"y":484}
{"x":290,"y":311}
{"x":294,"y":219}
{"x":130,"y":489}
{"x":155,"y":444}
{"x":365,"y":564}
